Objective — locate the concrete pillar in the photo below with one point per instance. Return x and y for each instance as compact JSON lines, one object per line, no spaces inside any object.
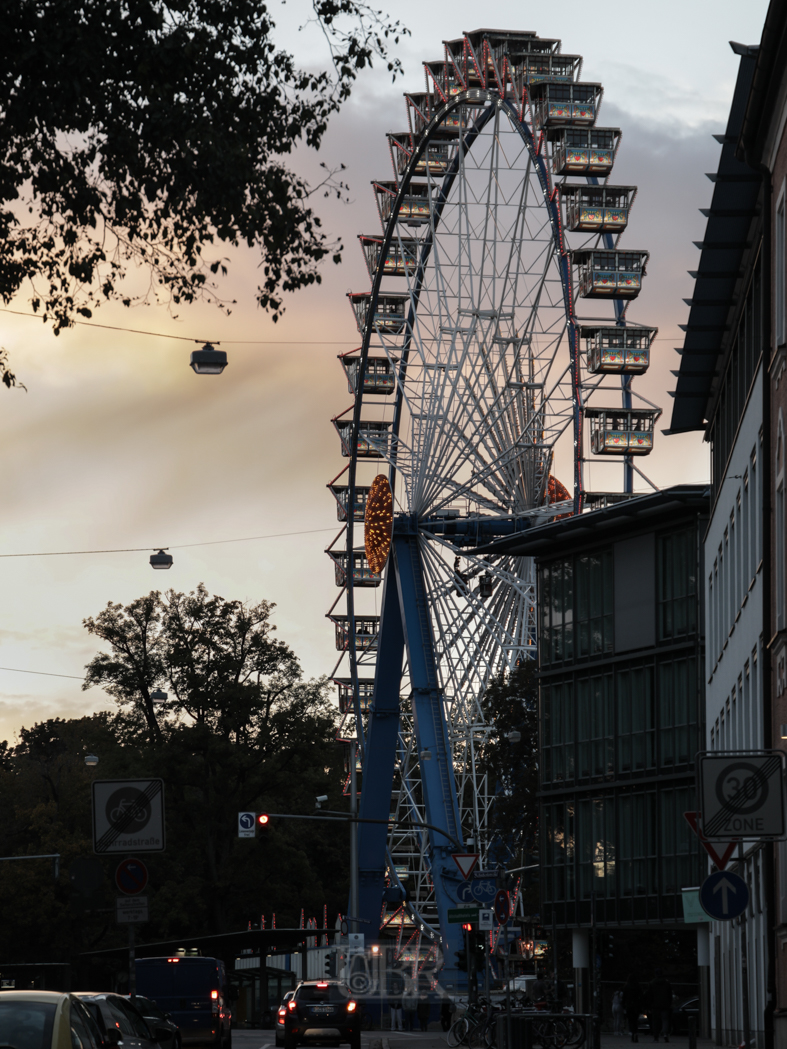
{"x":581,"y":951}
{"x":703,"y":970}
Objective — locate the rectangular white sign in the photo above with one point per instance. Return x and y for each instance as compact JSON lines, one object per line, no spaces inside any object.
{"x":128,"y":816}
{"x":131,"y":909}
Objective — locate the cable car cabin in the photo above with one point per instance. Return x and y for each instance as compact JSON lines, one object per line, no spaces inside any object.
{"x":609,"y":274}
{"x":365,"y":693}
{"x":532,"y":69}
{"x":486,"y":586}
{"x":401,"y":259}
{"x":423,"y":107}
{"x":584,"y":151}
{"x":618,"y":350}
{"x":390,"y":316}
{"x":414,"y":209}
{"x":565,"y":104}
{"x":621,"y":431}
{"x":362,"y":573}
{"x":374,"y":438}
{"x":366,"y":630}
{"x":597,"y":209}
{"x":341,"y":493}
{"x":378,"y":377}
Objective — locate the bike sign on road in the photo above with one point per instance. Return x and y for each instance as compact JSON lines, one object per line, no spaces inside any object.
{"x":741,"y":794}
{"x":128,"y":815}
{"x":131,"y":876}
{"x":724,"y":896}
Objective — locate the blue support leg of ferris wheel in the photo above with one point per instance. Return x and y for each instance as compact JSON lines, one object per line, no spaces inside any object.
{"x":379,"y":759}
{"x":431,"y":733}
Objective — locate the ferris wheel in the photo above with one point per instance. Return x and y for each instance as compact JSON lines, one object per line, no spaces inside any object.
{"x":476,"y":383}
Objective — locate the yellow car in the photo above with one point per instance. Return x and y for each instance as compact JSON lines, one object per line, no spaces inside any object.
{"x":46,"y":1020}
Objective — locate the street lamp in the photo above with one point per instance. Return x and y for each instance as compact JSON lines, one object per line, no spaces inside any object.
{"x":161,"y":560}
{"x":91,"y":760}
{"x":208,"y":361}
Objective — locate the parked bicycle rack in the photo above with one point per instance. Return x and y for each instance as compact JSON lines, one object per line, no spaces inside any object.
{"x":537,"y":1030}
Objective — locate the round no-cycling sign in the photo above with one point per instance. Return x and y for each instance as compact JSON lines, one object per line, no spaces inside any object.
{"x":131,"y":877}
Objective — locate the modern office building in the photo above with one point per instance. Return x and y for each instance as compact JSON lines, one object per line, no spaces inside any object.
{"x":621,"y":659}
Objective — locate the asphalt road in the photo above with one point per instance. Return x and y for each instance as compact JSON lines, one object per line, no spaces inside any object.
{"x":432,"y":1040}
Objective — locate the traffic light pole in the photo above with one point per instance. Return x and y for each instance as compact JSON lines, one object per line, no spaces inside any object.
{"x":353,"y":837}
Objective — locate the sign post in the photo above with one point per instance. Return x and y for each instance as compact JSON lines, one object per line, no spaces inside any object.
{"x":128,"y":815}
{"x":741,"y":794}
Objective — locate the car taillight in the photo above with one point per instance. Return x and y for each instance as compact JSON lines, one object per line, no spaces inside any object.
{"x":292,"y":1006}
{"x":214,"y":995}
{"x":351,"y":1007}
{"x":321,"y":984}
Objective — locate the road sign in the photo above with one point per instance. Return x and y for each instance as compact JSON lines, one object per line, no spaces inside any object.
{"x":131,"y":876}
{"x":355,"y":942}
{"x":724,"y":896}
{"x":741,"y":794}
{"x":486,"y":919}
{"x":462,"y":915}
{"x":247,"y":824}
{"x":476,"y":890}
{"x":502,"y":907}
{"x":128,"y":815}
{"x":465,"y":861}
{"x":721,"y":859}
{"x":131,"y":909}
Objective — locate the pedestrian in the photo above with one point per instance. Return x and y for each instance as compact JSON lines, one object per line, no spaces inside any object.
{"x":631,"y":1000}
{"x":423,"y":1009}
{"x":409,"y":1006}
{"x":396,"y":1014}
{"x":446,"y":1009}
{"x":617,"y":1012}
{"x":660,"y":1002}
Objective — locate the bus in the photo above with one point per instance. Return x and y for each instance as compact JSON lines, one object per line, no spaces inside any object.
{"x":194,"y":991}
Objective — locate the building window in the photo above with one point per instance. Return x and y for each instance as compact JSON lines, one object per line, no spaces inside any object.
{"x":677,"y":584}
{"x":595,"y":726}
{"x":677,"y":689}
{"x":594,"y":604}
{"x":596,"y":846}
{"x":557,"y":612}
{"x":677,"y":847}
{"x":559,"y":841}
{"x":557,"y":739}
{"x":636,"y":724}
{"x":637,"y":857}
{"x":779,"y":530}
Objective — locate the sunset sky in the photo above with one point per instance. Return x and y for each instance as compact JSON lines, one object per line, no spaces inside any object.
{"x":118,"y":444}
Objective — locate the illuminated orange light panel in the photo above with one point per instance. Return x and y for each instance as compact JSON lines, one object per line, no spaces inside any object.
{"x":378,"y":523}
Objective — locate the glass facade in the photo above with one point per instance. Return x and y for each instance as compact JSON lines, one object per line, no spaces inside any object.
{"x":619,"y":735}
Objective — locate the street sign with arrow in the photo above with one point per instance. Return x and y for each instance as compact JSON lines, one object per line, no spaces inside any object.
{"x":724,"y":896}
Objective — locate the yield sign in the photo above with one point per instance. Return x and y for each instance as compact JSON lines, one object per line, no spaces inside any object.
{"x":466,"y":862}
{"x":721,"y":861}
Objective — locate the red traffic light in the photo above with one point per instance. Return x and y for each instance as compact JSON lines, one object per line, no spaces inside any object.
{"x":468,"y":927}
{"x":263,"y":818}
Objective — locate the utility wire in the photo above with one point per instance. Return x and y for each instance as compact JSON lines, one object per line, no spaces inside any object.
{"x":180,"y":546}
{"x":187,"y":338}
{"x":43,"y":673}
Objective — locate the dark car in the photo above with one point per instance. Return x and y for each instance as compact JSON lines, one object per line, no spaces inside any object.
{"x":195,"y":992}
{"x":280,"y":1014}
{"x":321,"y":1011}
{"x":156,"y":1018}
{"x":681,"y":1014}
{"x":119,"y":1021}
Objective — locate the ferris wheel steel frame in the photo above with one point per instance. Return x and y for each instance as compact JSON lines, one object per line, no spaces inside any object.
{"x":410,"y":628}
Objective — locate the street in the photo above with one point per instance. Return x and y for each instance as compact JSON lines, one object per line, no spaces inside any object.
{"x":432,"y":1039}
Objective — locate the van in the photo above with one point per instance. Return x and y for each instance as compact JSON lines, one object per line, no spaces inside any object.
{"x":194,"y":992}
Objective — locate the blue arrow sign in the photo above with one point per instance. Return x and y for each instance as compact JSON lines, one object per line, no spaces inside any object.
{"x":724,"y":896}
{"x":477,"y":890}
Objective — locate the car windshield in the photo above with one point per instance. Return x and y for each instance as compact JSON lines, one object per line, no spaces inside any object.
{"x":27,"y":1025}
{"x":315,"y":992}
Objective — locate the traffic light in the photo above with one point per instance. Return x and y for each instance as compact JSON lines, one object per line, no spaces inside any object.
{"x":461,"y":960}
{"x":480,"y":944}
{"x":331,"y":968}
{"x":263,"y":819}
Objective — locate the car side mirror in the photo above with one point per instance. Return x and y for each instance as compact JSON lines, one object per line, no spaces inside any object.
{"x":113,"y":1037}
{"x":167,"y":1016}
{"x":163,"y":1034}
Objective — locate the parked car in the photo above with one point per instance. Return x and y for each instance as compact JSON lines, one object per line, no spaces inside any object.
{"x":119,"y":1021}
{"x":47,"y":1020}
{"x":681,"y":1013}
{"x":156,"y":1018}
{"x":321,"y":1011}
